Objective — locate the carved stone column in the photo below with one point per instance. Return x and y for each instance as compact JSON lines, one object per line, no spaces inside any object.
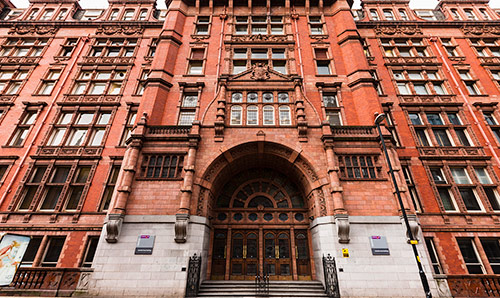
{"x":300,"y":113}
{"x":220,"y":121}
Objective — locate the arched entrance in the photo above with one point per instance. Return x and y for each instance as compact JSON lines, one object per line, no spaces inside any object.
{"x":260,"y":226}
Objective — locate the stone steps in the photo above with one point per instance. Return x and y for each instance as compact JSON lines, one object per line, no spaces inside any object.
{"x":246,"y":289}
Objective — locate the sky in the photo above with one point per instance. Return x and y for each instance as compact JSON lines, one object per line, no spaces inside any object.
{"x":161,"y":3}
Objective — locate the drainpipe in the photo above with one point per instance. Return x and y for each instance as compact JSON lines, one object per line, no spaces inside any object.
{"x":221,"y":45}
{"x":39,"y":129}
{"x":464,"y":96}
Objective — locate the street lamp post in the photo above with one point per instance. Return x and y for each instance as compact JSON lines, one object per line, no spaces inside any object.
{"x":413,"y":241}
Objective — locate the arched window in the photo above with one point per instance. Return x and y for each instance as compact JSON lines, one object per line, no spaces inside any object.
{"x":47,"y":14}
{"x":374,"y":14}
{"x":128,"y":15}
{"x":268,"y":115}
{"x":267,"y":97}
{"x":455,"y":14}
{"x":470,"y":14}
{"x":252,"y":97}
{"x":284,"y":113}
{"x":143,"y":14}
{"x":236,"y":115}
{"x":484,"y":13}
{"x":113,"y":15}
{"x":62,"y":14}
{"x":283,"y":97}
{"x":252,"y":115}
{"x":389,"y":16}
{"x":237,"y":97}
{"x":33,"y":14}
{"x":403,"y":15}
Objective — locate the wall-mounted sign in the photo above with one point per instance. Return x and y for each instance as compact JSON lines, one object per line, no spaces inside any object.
{"x":145,"y":245}
{"x":379,"y":245}
{"x":12,"y":249}
{"x":345,"y":252}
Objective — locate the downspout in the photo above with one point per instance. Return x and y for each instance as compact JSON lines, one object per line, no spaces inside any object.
{"x":467,"y":103}
{"x":221,"y":45}
{"x":39,"y":129}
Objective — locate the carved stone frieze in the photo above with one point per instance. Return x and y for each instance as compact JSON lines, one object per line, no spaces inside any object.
{"x":481,"y":29}
{"x":22,"y":29}
{"x":92,"y":99}
{"x":259,"y":38}
{"x":108,"y":60}
{"x":260,"y":72}
{"x":398,"y":30}
{"x":120,"y":29}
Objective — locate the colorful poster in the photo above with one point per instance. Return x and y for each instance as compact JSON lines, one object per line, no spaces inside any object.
{"x":12,"y":249}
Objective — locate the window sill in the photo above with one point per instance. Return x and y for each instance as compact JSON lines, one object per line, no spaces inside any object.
{"x":326,"y":75}
{"x":193,"y":75}
{"x":363,"y":179}
{"x":158,"y":179}
{"x":478,"y":95}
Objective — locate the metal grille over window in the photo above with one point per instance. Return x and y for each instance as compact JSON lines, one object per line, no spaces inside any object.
{"x":359,"y":167}
{"x":162,"y":166}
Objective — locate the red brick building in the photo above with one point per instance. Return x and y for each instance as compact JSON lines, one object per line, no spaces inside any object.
{"x":243,"y":132}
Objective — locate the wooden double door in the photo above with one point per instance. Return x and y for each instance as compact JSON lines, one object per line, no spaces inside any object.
{"x":243,"y":254}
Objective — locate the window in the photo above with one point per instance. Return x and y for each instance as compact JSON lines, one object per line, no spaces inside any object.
{"x":268,"y":115}
{"x":316,"y":25}
{"x":23,"y":47}
{"x":141,"y":86}
{"x":53,"y":251}
{"x":285,"y":115}
{"x":196,"y":61}
{"x":245,"y":58}
{"x":450,"y":48}
{"x":62,"y":14}
{"x":82,"y":128}
{"x":113,"y":16}
{"x":465,"y":189}
{"x":91,"y":14}
{"x":129,"y":125}
{"x":99,"y":82}
{"x":68,"y":47}
{"x":90,"y":251}
{"x":47,"y":14}
{"x":427,"y":15}
{"x":202,"y":25}
{"x":412,"y":190}
{"x":236,"y":115}
{"x":113,"y":47}
{"x":143,"y":14}
{"x":486,"y":47}
{"x":469,"y":82}
{"x":33,"y":14}
{"x":23,"y":128}
{"x":489,"y":188}
{"x":455,"y":14}
{"x":128,"y":15}
{"x":402,"y":47}
{"x":493,"y":124}
{"x":492,"y":250}
{"x":258,"y":25}
{"x":376,"y":82}
{"x":49,"y":82}
{"x":470,"y":256}
{"x":431,"y":248}
{"x":322,"y":61}
{"x":359,"y":167}
{"x":162,"y":166}
{"x":31,"y":251}
{"x":252,"y":115}
{"x":332,"y":108}
{"x":110,"y":187}
{"x":443,"y":189}
{"x":374,"y":15}
{"x":152,"y":47}
{"x":484,"y":14}
{"x":247,"y":106}
{"x":470,"y":14}
{"x":419,"y":82}
{"x":188,"y":108}
{"x":11,"y":80}
{"x":403,"y":15}
{"x":388,"y":15}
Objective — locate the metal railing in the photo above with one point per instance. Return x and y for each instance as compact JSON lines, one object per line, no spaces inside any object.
{"x":331,"y":279}
{"x":262,"y":285}
{"x":193,"y":276}
{"x":474,"y":285}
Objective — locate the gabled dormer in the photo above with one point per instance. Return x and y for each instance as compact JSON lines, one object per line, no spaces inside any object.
{"x":467,"y":10}
{"x":130,"y":10}
{"x":387,"y":10}
{"x":50,"y":10}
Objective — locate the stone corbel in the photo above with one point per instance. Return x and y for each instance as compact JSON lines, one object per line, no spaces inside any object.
{"x":113,"y":227}
{"x":343,"y":227}
{"x":414,"y":226}
{"x":181,"y":223}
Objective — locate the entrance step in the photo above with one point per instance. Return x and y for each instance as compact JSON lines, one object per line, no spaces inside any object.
{"x":246,"y":289}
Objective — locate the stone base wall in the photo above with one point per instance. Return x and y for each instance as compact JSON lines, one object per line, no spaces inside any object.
{"x":365,"y":275}
{"x":119,"y":272}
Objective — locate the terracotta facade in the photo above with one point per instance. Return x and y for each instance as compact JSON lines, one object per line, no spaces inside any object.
{"x":218,"y":125}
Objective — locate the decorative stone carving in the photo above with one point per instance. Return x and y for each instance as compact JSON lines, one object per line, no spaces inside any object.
{"x":260,"y":72}
{"x":22,"y":29}
{"x":414,"y":226}
{"x":120,"y":29}
{"x":398,"y":29}
{"x":83,"y":282}
{"x":343,"y":227}
{"x":113,"y":227}
{"x":481,"y":29}
{"x":181,"y":223}
{"x":258,"y":38}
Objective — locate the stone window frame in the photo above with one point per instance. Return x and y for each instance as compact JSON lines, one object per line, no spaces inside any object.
{"x":6,"y":163}
{"x":141,"y":82}
{"x":470,"y":81}
{"x":455,"y":14}
{"x":327,"y":60}
{"x":476,"y":252}
{"x":493,"y":112}
{"x":448,"y":182}
{"x":258,"y":106}
{"x":363,"y":165}
{"x":13,"y":44}
{"x":110,"y":184}
{"x":482,"y":46}
{"x":201,"y":23}
{"x":15,"y":83}
{"x":126,"y":17}
{"x":433,"y":254}
{"x":250,"y":23}
{"x":412,"y":185}
{"x":391,"y":124}
{"x":183,"y":108}
{"x":48,"y":79}
{"x":403,"y":14}
{"x":451,"y":46}
{"x":91,"y":243}
{"x":470,"y":14}
{"x":178,"y":169}
{"x":32,"y":14}
{"x":153,"y":45}
{"x":47,"y":247}
{"x":194,"y":58}
{"x":72,"y":124}
{"x":394,"y":46}
{"x":22,"y":125}
{"x":388,"y":11}
{"x":374,"y":14}
{"x":488,"y":261}
{"x":317,"y":21}
{"x":494,"y":73}
{"x":330,"y":111}
{"x":128,"y":124}
{"x":269,"y":61}
{"x":41,"y":186}
{"x":114,"y":79}
{"x":447,"y":125}
{"x":101,"y":47}
{"x":404,"y":79}
{"x":68,"y":47}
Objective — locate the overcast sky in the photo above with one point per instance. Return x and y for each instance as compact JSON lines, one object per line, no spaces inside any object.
{"x":161,"y":3}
